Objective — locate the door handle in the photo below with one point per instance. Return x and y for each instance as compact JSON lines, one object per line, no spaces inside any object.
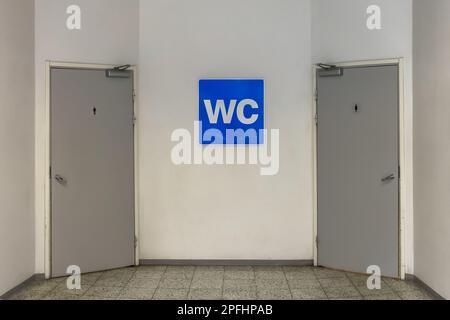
{"x":61,"y":180}
{"x":388,"y":178}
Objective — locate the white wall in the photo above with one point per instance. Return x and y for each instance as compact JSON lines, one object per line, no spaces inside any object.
{"x":16,"y":143}
{"x":224,"y":212}
{"x":339,"y":33}
{"x":109,"y":34}
{"x":431,"y":143}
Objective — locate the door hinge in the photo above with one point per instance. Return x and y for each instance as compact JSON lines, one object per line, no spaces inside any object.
{"x":316,"y":95}
{"x":134,"y":121}
{"x":399,"y":173}
{"x":316,"y":119}
{"x":50,"y":173}
{"x":317,"y":241}
{"x":134,"y":96}
{"x":135,"y":242}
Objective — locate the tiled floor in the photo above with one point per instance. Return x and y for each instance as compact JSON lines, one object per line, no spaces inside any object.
{"x":217,"y":283}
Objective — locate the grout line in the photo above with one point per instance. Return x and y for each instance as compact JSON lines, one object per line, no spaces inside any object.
{"x":397,"y":293}
{"x":256,"y":284}
{"x":47,"y":294}
{"x":11,"y":294}
{"x":190,"y":284}
{"x":354,"y":286}
{"x":287,"y":281}
{"x":125,"y":285}
{"x":92,"y":285}
{"x":321,"y":286}
{"x":159,"y":283}
{"x":223,"y":284}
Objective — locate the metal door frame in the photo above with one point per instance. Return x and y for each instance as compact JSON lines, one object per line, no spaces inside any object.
{"x":402,"y":155}
{"x":46,"y":169}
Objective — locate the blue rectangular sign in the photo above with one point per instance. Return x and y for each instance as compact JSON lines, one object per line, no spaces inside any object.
{"x":231,"y":112}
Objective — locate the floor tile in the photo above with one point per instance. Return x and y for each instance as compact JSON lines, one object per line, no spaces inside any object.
{"x":322,"y":273}
{"x":103,"y":292}
{"x":239,"y":284}
{"x":269,"y":275}
{"x":414,"y":295}
{"x":335,"y":282}
{"x":29,"y":295}
{"x":342,"y":292}
{"x":205,"y":294}
{"x":299,"y":275}
{"x":358,"y":280}
{"x":399,"y":285}
{"x":211,"y":283}
{"x":349,"y":299}
{"x":66,"y":294}
{"x":174,"y":284}
{"x":239,"y":294}
{"x":53,"y":297}
{"x":44,"y":285}
{"x":211,"y":274}
{"x":62,"y":288}
{"x":155,"y":272}
{"x":149,"y":283}
{"x":273,"y":294}
{"x":313,"y":293}
{"x":383,"y":297}
{"x":179,"y":272}
{"x":239,"y":273}
{"x":268,"y":269}
{"x":113,"y":281}
{"x":230,"y":283}
{"x":384,"y":291}
{"x":208,"y":272}
{"x":90,"y":278}
{"x":170,"y":294}
{"x":271,"y":284}
{"x":116,"y":273}
{"x":304,"y":283}
{"x":137,"y":294}
{"x":90,"y":298}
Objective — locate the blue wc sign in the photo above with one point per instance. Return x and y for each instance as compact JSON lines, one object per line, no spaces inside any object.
{"x":231,"y":111}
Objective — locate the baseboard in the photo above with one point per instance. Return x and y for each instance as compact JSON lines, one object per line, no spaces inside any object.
{"x":424,"y":286}
{"x":16,"y":289}
{"x":410,"y":277}
{"x":169,"y":262}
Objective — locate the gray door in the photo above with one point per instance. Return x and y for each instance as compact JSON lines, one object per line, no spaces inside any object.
{"x":358,"y":170}
{"x":92,"y":171}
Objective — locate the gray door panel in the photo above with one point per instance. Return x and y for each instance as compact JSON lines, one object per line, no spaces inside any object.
{"x":358,"y":213}
{"x":92,"y":150}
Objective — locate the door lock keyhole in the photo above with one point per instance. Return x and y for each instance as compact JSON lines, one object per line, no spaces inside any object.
{"x":94,"y":111}
{"x":356,"y":108}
